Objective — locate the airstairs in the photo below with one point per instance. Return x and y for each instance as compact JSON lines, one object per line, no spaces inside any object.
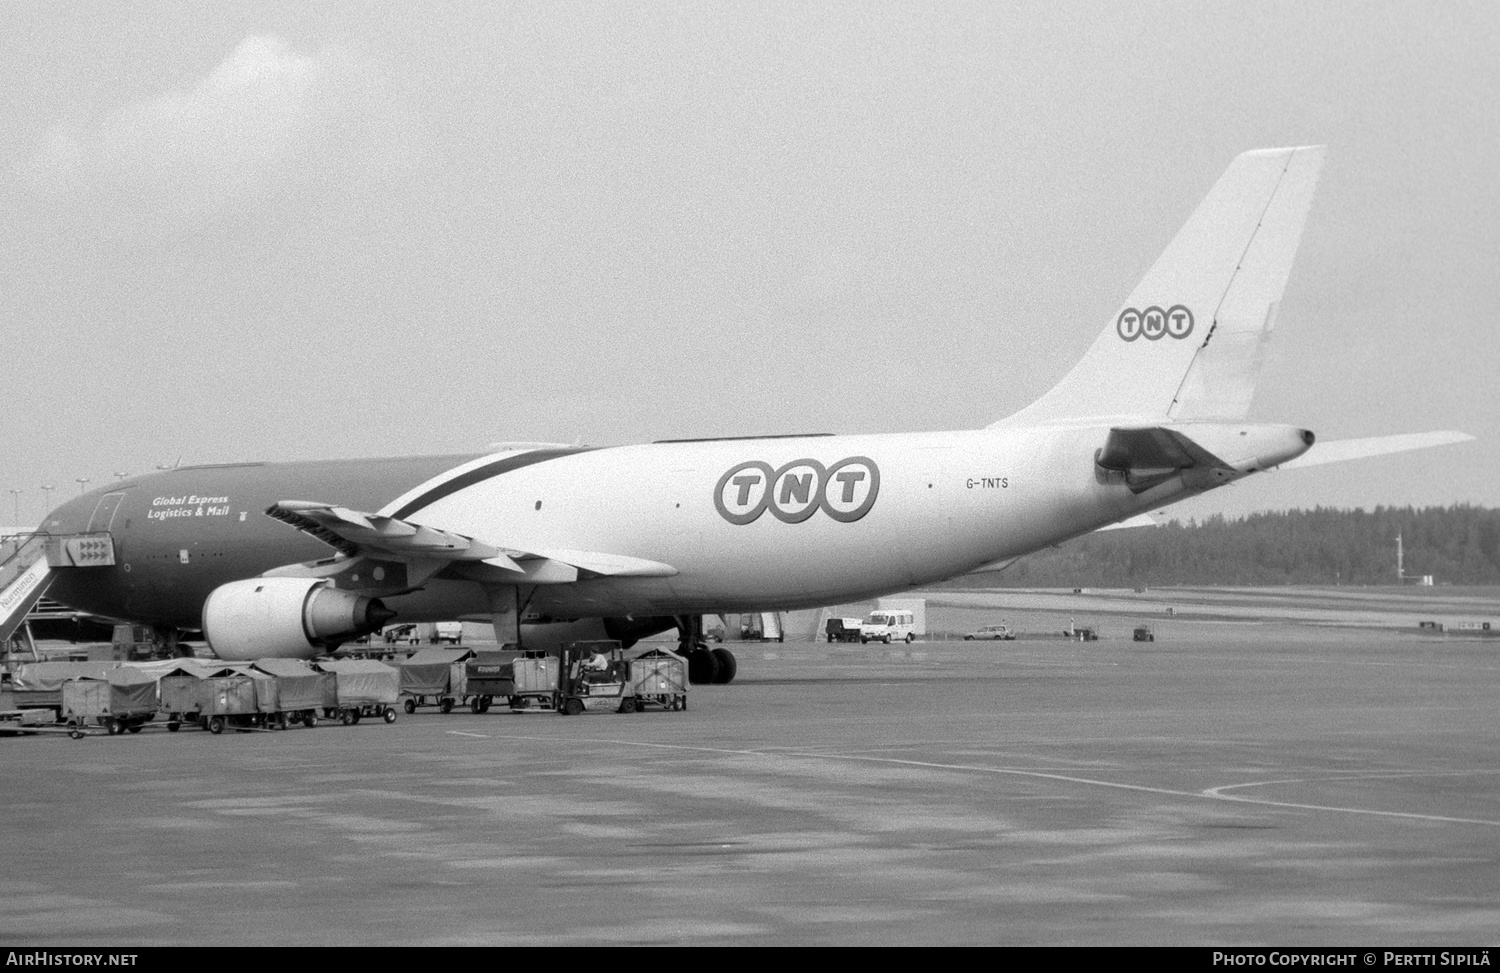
{"x":28,"y":563}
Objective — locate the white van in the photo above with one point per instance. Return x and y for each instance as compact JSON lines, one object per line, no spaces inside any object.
{"x":889,"y":626}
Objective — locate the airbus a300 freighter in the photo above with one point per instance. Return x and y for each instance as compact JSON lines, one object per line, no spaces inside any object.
{"x":294,"y":559}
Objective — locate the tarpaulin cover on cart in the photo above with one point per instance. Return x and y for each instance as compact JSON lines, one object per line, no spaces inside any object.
{"x":430,"y":672}
{"x":179,"y":688}
{"x":298,"y":685}
{"x":118,"y":692}
{"x":362,"y":681}
{"x":37,"y":684}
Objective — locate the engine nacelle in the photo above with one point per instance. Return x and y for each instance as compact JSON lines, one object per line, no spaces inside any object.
{"x":285,"y":618}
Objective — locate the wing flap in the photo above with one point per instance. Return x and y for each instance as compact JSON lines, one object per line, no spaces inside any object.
{"x":357,"y":534}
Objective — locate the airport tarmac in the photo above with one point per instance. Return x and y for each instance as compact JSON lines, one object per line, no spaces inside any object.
{"x":1219,"y":787}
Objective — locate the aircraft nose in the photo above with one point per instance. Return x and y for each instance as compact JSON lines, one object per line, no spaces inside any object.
{"x":71,"y":517}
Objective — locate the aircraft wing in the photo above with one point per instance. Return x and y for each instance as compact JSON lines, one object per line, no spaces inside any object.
{"x":382,"y":539}
{"x":1340,"y":450}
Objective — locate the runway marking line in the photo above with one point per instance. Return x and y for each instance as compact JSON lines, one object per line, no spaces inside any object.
{"x":1211,"y":793}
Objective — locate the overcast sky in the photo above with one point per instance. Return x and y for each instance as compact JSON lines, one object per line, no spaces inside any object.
{"x":266,"y":231}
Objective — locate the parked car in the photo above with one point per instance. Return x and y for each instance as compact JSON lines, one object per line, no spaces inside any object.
{"x":995,"y":632}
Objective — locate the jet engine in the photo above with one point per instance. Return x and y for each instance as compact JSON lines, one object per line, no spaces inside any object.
{"x":285,"y":617}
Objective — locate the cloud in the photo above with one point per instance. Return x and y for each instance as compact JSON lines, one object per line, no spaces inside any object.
{"x":268,"y":126}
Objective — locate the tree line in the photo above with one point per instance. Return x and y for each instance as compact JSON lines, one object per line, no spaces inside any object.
{"x":1322,"y":546}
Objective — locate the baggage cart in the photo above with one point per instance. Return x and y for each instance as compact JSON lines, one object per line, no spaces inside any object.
{"x":434,"y":677}
{"x":365,"y":688}
{"x":121,"y":700}
{"x":229,"y":697}
{"x":38,"y":685}
{"x":179,"y":693}
{"x":658,"y":678}
{"x":297,"y":691}
{"x":489,"y":675}
{"x":535,"y":681}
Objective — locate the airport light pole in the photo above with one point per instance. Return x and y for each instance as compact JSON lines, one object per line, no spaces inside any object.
{"x":17,"y":495}
{"x":46,"y":502}
{"x":82,"y":481}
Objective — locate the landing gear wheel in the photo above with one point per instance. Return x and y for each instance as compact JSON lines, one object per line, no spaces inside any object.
{"x":216,"y":725}
{"x":410,"y":706}
{"x":727,"y":666}
{"x":446,"y":706}
{"x":390,"y":714}
{"x":703,"y":666}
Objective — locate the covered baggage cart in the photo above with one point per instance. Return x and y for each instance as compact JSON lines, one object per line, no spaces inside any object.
{"x":434,"y":677}
{"x":119,"y":700}
{"x":39,"y":685}
{"x":488,"y":675}
{"x":300,"y":692}
{"x":658,"y":678}
{"x":365,"y":688}
{"x":228,"y":696}
{"x":179,"y":692}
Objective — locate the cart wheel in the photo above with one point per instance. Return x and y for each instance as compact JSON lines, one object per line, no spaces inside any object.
{"x":134,"y":728}
{"x":216,"y":725}
{"x":410,"y":706}
{"x":390,"y":714}
{"x":173,"y":726}
{"x":446,"y":706}
{"x":356,"y":715}
{"x":310,"y":720}
{"x":76,"y":733}
{"x":475,"y":706}
{"x":682,"y":702}
{"x":347,"y":718}
{"x":281,"y":721}
{"x":627,"y":705}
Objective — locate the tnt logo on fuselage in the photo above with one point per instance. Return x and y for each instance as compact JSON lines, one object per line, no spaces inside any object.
{"x":1154,"y":323}
{"x":795,"y":491}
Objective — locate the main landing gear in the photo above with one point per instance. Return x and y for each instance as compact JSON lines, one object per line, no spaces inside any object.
{"x":705,"y":665}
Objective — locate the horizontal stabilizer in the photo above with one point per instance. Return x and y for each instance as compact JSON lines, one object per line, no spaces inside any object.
{"x":1341,"y":450}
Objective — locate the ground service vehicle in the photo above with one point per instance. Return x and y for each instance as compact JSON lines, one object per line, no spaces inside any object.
{"x":889,"y":626}
{"x":842,"y":629}
{"x":594,"y":676}
{"x":1143,"y":633}
{"x":994,"y":632}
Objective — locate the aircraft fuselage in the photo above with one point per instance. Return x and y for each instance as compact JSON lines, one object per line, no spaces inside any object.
{"x":747,"y":524}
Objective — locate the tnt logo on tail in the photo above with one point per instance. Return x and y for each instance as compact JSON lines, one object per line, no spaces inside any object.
{"x":1153,"y":323}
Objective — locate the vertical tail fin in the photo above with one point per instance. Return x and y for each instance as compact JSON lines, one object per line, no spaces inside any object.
{"x":1188,"y":342}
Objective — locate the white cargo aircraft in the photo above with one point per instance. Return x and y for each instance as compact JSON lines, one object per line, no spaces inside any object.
{"x":296,"y":558}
